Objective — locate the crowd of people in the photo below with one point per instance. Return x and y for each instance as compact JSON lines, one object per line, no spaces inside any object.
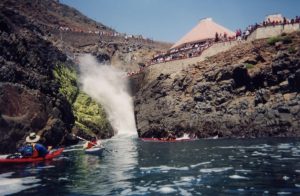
{"x":190,"y":50}
{"x":284,"y":21}
{"x":101,"y":33}
{"x":266,"y":23}
{"x":196,"y":49}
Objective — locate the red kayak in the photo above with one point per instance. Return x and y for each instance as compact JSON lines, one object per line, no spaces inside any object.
{"x":49,"y":156}
{"x":165,"y":140}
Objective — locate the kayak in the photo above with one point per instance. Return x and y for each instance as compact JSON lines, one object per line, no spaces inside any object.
{"x":166,"y":140}
{"x":97,"y":150}
{"x":49,"y":156}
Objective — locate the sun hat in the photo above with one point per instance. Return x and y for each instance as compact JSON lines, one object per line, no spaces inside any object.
{"x":32,"y":138}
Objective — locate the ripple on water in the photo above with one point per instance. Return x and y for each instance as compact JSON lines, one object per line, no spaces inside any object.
{"x":215,"y":170}
{"x":244,"y":170}
{"x":284,"y":146}
{"x":126,"y":192}
{"x":184,"y":192}
{"x":162,"y":168}
{"x":166,"y":190}
{"x":187,"y":178}
{"x":14,"y":185}
{"x":262,"y":146}
{"x":238,"y":177}
{"x":284,"y":193}
{"x":199,"y":164}
{"x":256,"y":153}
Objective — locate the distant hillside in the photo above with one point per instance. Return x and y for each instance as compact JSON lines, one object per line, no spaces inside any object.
{"x":74,"y":33}
{"x":52,"y":14}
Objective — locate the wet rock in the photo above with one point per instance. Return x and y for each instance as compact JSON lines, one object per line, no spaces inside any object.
{"x":295,"y":110}
{"x":198,"y":97}
{"x":181,"y":83}
{"x":241,"y":76}
{"x":284,"y":86}
{"x":227,"y":85}
{"x":294,"y":81}
{"x":262,"y":96}
{"x":224,"y":74}
{"x":283,"y":109}
{"x":103,"y":58}
{"x":201,"y":87}
{"x":260,"y":58}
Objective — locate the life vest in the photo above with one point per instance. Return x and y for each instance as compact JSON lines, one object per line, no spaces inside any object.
{"x":29,"y":151}
{"x":91,"y":144}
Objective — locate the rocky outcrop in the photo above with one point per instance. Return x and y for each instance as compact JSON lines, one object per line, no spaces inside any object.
{"x":29,"y":95}
{"x":38,"y":36}
{"x":249,"y":91}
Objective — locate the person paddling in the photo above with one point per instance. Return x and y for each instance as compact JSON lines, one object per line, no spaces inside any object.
{"x":90,"y":144}
{"x":32,"y":148}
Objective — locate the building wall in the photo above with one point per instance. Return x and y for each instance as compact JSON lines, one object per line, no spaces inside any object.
{"x":217,"y":48}
{"x":271,"y":31}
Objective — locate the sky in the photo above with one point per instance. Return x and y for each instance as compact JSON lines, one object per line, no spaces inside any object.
{"x":169,"y":20}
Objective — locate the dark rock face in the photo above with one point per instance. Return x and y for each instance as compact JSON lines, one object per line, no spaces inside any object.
{"x":227,"y":101}
{"x":103,"y":58}
{"x":29,"y":96}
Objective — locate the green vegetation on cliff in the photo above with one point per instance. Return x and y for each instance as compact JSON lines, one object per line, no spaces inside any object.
{"x":285,"y":39}
{"x":67,"y":78}
{"x":249,"y":66}
{"x":89,"y":116}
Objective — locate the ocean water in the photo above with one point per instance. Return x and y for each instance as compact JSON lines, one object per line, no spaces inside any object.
{"x":133,"y":167}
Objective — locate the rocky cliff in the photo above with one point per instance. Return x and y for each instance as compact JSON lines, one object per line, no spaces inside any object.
{"x":29,"y":96}
{"x":39,"y":90}
{"x":251,"y":90}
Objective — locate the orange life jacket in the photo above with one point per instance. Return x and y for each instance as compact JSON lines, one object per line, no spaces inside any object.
{"x":91,"y":144}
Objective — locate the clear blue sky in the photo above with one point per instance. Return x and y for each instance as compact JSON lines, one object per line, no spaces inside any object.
{"x":169,"y":20}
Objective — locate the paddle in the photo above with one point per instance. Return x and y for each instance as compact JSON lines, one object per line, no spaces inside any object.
{"x":80,"y":138}
{"x":83,"y":139}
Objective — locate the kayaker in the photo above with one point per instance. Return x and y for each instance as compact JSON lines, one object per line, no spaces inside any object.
{"x":90,"y":144}
{"x":32,"y":148}
{"x":170,"y":137}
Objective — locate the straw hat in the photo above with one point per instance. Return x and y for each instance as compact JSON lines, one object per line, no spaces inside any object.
{"x":32,"y":138}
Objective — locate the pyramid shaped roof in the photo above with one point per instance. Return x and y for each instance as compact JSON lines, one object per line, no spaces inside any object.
{"x":205,"y":29}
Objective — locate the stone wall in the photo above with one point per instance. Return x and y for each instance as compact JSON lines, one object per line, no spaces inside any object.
{"x":272,"y":31}
{"x":173,"y":67}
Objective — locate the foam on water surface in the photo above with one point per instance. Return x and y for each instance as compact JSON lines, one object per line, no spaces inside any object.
{"x":215,"y":170}
{"x":14,"y":185}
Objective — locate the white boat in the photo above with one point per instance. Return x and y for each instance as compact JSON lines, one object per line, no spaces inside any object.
{"x":97,"y":150}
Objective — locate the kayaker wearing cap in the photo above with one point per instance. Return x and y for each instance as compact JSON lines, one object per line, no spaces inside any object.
{"x":33,"y":148}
